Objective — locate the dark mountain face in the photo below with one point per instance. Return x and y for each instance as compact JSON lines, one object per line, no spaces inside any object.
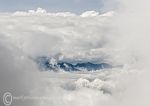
{"x":67,"y":66}
{"x":90,"y":66}
{"x":45,"y":64}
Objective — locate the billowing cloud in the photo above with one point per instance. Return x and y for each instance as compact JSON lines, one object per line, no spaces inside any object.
{"x":88,"y":37}
{"x":70,"y":35}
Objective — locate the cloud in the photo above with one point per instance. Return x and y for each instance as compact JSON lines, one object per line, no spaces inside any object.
{"x":89,"y":13}
{"x":96,"y":37}
{"x":16,"y":75}
{"x":24,"y":35}
{"x":73,"y":36}
{"x":43,"y":12}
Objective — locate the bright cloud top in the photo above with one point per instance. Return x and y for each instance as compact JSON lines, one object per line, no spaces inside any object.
{"x":41,"y":11}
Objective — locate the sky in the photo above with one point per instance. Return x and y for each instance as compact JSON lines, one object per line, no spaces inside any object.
{"x":76,"y":6}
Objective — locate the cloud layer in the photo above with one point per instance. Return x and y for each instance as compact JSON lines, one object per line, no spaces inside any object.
{"x":64,"y":35}
{"x":90,"y":37}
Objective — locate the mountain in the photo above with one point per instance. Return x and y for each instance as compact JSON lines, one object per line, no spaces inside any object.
{"x":51,"y":64}
{"x":90,"y":66}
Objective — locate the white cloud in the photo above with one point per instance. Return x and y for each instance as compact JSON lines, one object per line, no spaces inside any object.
{"x":42,"y":12}
{"x":43,"y":33}
{"x":34,"y":33}
{"x":89,"y":13}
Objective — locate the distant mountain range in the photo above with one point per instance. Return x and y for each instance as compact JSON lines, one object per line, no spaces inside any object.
{"x":51,"y":64}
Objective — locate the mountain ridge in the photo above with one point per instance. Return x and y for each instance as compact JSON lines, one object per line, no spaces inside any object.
{"x":51,"y":64}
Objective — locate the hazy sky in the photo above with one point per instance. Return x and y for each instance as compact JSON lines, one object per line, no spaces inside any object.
{"x":52,"y":5}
